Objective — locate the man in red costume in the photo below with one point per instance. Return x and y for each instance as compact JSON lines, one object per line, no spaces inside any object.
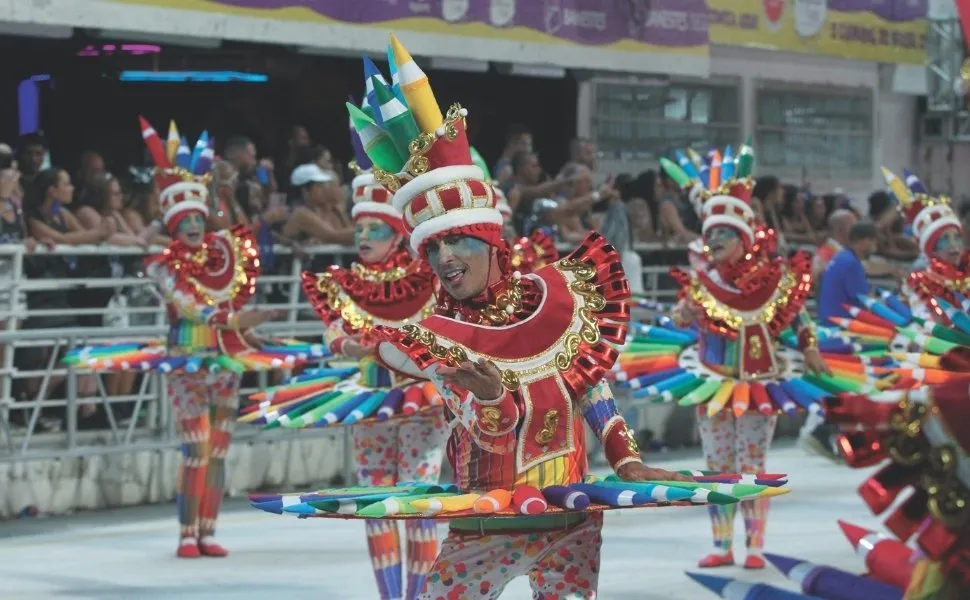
{"x":520,"y":362}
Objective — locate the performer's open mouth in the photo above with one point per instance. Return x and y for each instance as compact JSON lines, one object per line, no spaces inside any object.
{"x":365,"y":248}
{"x":194,"y":236}
{"x":454,"y":276}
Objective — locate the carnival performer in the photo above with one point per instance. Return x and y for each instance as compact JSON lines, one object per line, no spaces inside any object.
{"x":205,"y":279}
{"x":743,"y":297}
{"x":922,"y":438}
{"x":386,"y":286}
{"x":519,"y":361}
{"x":938,"y":231}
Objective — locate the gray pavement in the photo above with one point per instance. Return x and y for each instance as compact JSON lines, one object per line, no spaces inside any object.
{"x":129,"y":554}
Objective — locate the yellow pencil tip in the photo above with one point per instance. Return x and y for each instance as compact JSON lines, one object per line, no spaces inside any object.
{"x":774,"y":491}
{"x":401,"y":54}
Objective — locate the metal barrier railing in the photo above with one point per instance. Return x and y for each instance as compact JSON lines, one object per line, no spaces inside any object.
{"x":150,"y":425}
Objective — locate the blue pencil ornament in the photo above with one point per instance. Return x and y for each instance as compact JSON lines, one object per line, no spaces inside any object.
{"x":183,"y":156}
{"x":566,"y":497}
{"x":644,"y":381}
{"x":615,"y":497}
{"x":200,"y":146}
{"x":732,"y":589}
{"x":780,"y":398}
{"x":366,"y":408}
{"x":832,"y":584}
{"x":391,"y":405}
{"x":339,"y":413}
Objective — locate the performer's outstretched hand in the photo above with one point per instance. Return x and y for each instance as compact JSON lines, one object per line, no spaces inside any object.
{"x":814,"y":362}
{"x":482,"y":378}
{"x":634,"y":471}
{"x":251,"y":318}
{"x":355,"y":349}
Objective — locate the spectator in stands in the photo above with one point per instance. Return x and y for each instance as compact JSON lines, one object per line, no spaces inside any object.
{"x":47,"y":217}
{"x":255,"y":176}
{"x":641,"y":205}
{"x":320,"y":216}
{"x":845,"y":278}
{"x":819,"y":209}
{"x":103,"y":200}
{"x":582,"y":153}
{"x":573,"y":216}
{"x":224,"y":208}
{"x":315,"y":154}
{"x":893,"y":243}
{"x":679,"y":222}
{"x":524,"y":186}
{"x":141,"y":207}
{"x":31,"y":152}
{"x":766,"y":201}
{"x":296,"y":143}
{"x":839,"y":224}
{"x":90,"y":165}
{"x":794,"y":219}
{"x":518,"y":139}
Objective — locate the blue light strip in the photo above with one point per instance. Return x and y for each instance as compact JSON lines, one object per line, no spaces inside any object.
{"x":28,"y":106}
{"x":193,"y":77}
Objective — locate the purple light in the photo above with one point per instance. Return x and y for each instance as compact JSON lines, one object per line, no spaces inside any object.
{"x":109,"y":49}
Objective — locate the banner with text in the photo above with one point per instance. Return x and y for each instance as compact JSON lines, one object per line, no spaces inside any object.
{"x":668,"y":25}
{"x":890,"y":31}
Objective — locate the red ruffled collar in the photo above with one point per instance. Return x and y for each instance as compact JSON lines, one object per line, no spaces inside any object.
{"x":392,"y":290}
{"x":748,"y":285}
{"x":209,"y":269}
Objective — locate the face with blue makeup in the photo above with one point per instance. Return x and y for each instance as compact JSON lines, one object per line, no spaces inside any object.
{"x":949,"y":246}
{"x":462,"y":263}
{"x":191,"y":229}
{"x":374,"y":239}
{"x":723,"y":244}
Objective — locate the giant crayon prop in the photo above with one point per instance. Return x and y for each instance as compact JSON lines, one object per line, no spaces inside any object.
{"x":732,"y":589}
{"x":832,"y":584}
{"x":888,"y":560}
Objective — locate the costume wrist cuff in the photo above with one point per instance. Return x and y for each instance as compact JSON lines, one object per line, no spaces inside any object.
{"x":221,"y":318}
{"x":337,"y":346}
{"x":806,"y":338}
{"x":495,"y":402}
{"x":619,"y":443}
{"x":497,"y":417}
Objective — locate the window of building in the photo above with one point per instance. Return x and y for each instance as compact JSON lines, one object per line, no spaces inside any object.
{"x":641,"y":122}
{"x":821,"y":132}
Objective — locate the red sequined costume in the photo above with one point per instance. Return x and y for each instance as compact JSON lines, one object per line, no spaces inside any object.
{"x":205,"y":288}
{"x":930,"y":217}
{"x":740,"y":370}
{"x":922,"y":437}
{"x":351,"y":301}
{"x":550,"y":334}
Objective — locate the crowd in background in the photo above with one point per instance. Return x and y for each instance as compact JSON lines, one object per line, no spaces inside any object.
{"x":302,"y":198}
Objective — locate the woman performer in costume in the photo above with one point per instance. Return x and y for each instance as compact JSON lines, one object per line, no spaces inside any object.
{"x":940,"y":236}
{"x":743,"y":297}
{"x":386,"y":286}
{"x":205,"y":279}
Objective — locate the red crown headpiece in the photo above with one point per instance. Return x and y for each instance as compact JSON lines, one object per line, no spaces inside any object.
{"x":929,"y":216}
{"x":182,"y":175}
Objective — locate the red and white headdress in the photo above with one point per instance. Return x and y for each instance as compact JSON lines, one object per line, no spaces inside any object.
{"x":929,"y":216}
{"x":720,"y":188}
{"x":182,"y":175}
{"x":371,"y":199}
{"x":438,"y":189}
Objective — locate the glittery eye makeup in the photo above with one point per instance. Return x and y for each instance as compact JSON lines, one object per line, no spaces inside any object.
{"x":373,"y":232}
{"x":721,"y":234}
{"x":948,"y":241}
{"x":460,"y":246}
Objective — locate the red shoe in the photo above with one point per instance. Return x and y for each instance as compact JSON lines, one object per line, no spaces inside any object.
{"x":753,"y":561}
{"x":208,"y":547}
{"x":188,"y":548}
{"x":712,"y":561}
